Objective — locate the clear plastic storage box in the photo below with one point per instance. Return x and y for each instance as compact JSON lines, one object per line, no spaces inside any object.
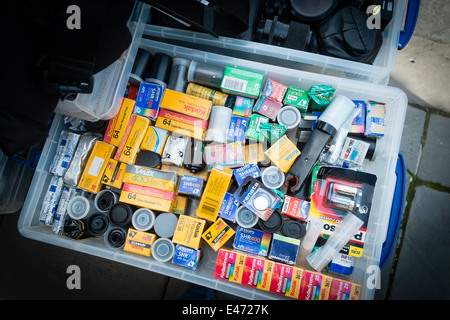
{"x":384,"y":168}
{"x":378,"y":72}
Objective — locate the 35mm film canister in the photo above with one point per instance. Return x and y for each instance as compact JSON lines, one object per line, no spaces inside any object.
{"x":97,"y":224}
{"x":217,"y":97}
{"x":115,"y":237}
{"x":245,"y":217}
{"x":105,"y":199}
{"x":165,"y":225}
{"x":140,"y":67}
{"x":120,"y":214}
{"x":80,"y":207}
{"x":219,"y":122}
{"x":163,"y":249}
{"x":159,"y":71}
{"x":143,"y":219}
{"x":205,"y":74}
{"x":178,"y":74}
{"x":272,"y":177}
{"x":293,"y":229}
{"x":273,"y":224}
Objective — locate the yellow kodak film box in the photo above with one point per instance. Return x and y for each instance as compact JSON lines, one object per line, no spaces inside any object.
{"x":146,"y":197}
{"x":266,"y":277}
{"x":294,"y":289}
{"x":132,"y":139}
{"x":150,"y":177}
{"x":283,"y":153}
{"x":114,"y":173}
{"x":91,"y":179}
{"x":218,"y":234}
{"x":179,"y":205}
{"x":182,"y":124}
{"x":189,"y":231}
{"x":116,"y":126}
{"x":154,"y":139}
{"x":217,"y":186}
{"x":186,"y":104}
{"x":139,"y":242}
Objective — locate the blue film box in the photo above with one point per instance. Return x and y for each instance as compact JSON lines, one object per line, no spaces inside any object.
{"x":187,"y":257}
{"x":238,"y":126}
{"x":148,"y":100}
{"x":228,"y":208}
{"x":250,"y":169}
{"x":284,"y":249}
{"x":252,"y":240}
{"x":359,"y":122}
{"x":190,"y":185}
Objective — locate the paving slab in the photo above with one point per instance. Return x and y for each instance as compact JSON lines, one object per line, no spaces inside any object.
{"x":422,"y":270}
{"x":436,"y":152}
{"x":410,"y":145}
{"x":421,"y":70}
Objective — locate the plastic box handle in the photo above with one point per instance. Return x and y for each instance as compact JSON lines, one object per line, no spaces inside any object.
{"x":396,"y":212}
{"x":412,"y":13}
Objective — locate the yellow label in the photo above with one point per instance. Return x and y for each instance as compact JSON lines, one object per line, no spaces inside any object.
{"x":121,"y":121}
{"x":326,"y":287}
{"x":91,"y":178}
{"x":355,"y":251}
{"x":150,"y":177}
{"x":294,"y":289}
{"x":218,"y":234}
{"x":186,"y":104}
{"x":139,"y":242}
{"x":283,"y":153}
{"x":266,"y":277}
{"x":189,"y":231}
{"x":239,"y":266}
{"x":114,"y":173}
{"x":132,"y":139}
{"x":179,"y":205}
{"x":216,"y":187}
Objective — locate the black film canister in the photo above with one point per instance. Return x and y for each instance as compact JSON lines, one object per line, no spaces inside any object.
{"x":148,"y":159}
{"x":120,"y":214}
{"x":273,"y":224}
{"x":159,"y":71}
{"x":293,"y":229}
{"x":97,"y":224}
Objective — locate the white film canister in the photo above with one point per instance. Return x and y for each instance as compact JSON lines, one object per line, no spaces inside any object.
{"x":219,"y":123}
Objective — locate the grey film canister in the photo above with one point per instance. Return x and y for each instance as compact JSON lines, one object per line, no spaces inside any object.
{"x":163,"y":249}
{"x":245,"y":217}
{"x":165,"y":225}
{"x":143,"y":219}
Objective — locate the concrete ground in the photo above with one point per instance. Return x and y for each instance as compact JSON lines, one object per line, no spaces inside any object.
{"x":418,"y":267}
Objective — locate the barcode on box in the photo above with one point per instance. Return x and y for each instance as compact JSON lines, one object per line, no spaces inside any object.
{"x":210,"y":206}
{"x":234,"y":84}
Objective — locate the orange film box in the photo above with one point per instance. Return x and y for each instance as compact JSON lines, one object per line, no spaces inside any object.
{"x":186,"y":104}
{"x":146,"y":197}
{"x":91,"y":179}
{"x":132,"y":139}
{"x":182,"y":124}
{"x":116,"y":126}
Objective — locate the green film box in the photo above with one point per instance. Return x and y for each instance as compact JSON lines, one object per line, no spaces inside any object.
{"x":253,"y":131}
{"x":298,"y":98}
{"x":242,"y":82}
